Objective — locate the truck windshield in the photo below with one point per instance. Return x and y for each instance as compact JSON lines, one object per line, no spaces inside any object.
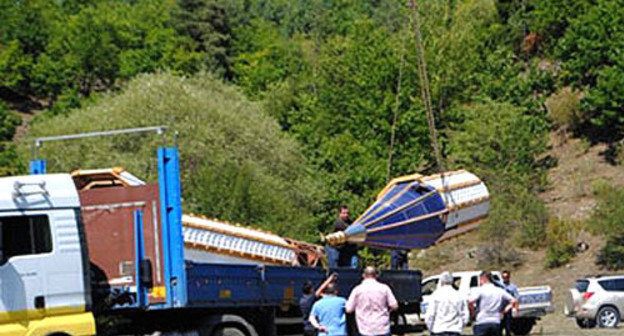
{"x":581,"y":285}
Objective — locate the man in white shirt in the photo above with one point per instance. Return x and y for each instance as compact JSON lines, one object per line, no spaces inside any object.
{"x":489,"y":299}
{"x":447,"y":313}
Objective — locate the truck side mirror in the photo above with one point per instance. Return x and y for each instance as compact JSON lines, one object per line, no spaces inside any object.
{"x":145,"y":268}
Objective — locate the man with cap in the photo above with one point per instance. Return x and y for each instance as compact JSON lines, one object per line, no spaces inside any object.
{"x":372,"y":303}
{"x":447,"y":313}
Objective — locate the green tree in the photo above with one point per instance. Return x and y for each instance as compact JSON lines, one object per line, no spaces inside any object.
{"x":236,"y":163}
{"x":206,"y":22}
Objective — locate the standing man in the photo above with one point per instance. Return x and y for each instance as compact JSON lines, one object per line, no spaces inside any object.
{"x":399,"y":259}
{"x":344,"y":255}
{"x":447,"y":313}
{"x":512,"y":289}
{"x":489,"y":299}
{"x":328,"y":314}
{"x":307,"y":301}
{"x":372,"y":303}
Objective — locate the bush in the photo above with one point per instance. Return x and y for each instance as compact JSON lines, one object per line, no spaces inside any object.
{"x":498,"y":256}
{"x":497,"y":139}
{"x":561,"y":238}
{"x":564,"y":108}
{"x":606,"y":218}
{"x":10,"y":163}
{"x":516,"y":215}
{"x":611,"y":256}
{"x":559,"y":255}
{"x":8,"y":122}
{"x":432,"y":258}
{"x":236,"y":164}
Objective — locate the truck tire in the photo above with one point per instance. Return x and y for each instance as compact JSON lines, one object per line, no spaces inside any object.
{"x":608,"y":317}
{"x":522,"y":326}
{"x":227,"y":325}
{"x":228,"y":331}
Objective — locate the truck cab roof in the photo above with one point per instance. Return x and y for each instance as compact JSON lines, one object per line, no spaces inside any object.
{"x":32,"y":192}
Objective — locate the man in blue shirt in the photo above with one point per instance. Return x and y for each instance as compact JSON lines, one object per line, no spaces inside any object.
{"x":307,"y":301}
{"x":328,"y":314}
{"x":513,"y":291}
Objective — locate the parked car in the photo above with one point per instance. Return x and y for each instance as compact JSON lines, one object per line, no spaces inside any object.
{"x":597,"y":300}
{"x":535,"y":302}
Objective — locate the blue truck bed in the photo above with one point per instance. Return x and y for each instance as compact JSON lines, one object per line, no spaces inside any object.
{"x":221,"y":285}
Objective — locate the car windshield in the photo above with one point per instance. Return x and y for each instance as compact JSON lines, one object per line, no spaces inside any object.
{"x":581,"y":285}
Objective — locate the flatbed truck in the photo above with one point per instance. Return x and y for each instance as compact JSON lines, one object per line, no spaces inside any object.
{"x":51,"y":284}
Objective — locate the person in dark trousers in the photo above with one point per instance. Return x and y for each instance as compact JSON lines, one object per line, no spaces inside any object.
{"x":512,"y":289}
{"x":344,"y":255}
{"x":398,"y":259}
{"x":307,"y":301}
{"x":489,"y":299}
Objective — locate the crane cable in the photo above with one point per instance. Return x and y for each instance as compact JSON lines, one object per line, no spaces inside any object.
{"x":395,"y":112}
{"x":424,"y":85}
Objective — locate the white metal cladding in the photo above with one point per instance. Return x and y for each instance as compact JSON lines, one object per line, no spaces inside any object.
{"x":463,"y":193}
{"x":233,"y":230}
{"x":38,"y":192}
{"x":451,"y":179}
{"x":64,"y":282}
{"x":457,"y":197}
{"x":243,"y":247}
{"x":466,"y":215}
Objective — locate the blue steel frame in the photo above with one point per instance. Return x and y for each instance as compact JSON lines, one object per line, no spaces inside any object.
{"x":139,"y":252}
{"x":171,"y":223}
{"x":37,"y":167}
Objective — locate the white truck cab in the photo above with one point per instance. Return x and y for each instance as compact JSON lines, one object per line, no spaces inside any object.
{"x":43,"y":258}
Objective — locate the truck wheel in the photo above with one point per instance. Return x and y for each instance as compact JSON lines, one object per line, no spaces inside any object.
{"x":585,"y":323}
{"x":228,"y":331}
{"x":522,"y":326}
{"x":227,"y":325}
{"x":608,"y":317}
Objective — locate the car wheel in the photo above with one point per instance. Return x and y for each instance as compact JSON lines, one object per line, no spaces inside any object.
{"x":585,"y":323}
{"x":608,"y":317}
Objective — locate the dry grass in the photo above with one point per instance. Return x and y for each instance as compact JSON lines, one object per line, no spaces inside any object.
{"x":579,"y":166}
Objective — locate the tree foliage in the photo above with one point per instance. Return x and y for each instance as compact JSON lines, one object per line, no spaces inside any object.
{"x":236,"y":164}
{"x":332,"y":74}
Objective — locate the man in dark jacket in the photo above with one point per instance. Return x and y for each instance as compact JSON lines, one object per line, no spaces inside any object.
{"x":347,"y":253}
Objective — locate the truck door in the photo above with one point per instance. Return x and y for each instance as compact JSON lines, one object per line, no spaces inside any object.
{"x":26,"y":244}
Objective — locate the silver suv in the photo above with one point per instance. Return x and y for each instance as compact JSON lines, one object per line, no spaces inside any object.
{"x":597,"y":300}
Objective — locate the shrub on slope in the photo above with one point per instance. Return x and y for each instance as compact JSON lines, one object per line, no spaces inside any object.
{"x":236,"y":164}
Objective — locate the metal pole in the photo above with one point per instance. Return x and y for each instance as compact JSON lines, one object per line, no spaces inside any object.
{"x":39,"y":141}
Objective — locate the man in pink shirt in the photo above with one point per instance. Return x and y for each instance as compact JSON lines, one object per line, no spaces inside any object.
{"x":372,"y":302}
